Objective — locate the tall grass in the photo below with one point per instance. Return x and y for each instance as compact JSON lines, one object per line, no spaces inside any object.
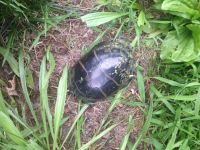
{"x":42,"y":132}
{"x":17,"y":14}
{"x":175,"y":122}
{"x":20,"y":133}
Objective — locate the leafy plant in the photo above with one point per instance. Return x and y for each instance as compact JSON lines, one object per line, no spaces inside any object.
{"x":181,"y":43}
{"x":125,"y":14}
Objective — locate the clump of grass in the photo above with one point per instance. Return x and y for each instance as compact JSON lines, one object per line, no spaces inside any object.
{"x":175,"y":122}
{"x":15,"y":131}
{"x":18,"y":15}
{"x":125,"y":15}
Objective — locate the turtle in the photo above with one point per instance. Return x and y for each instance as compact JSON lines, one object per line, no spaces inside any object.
{"x":104,"y":70}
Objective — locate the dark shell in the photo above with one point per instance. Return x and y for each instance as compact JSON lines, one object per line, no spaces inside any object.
{"x":101,"y":72}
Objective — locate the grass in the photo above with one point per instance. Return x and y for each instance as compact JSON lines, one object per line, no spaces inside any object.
{"x":171,"y":106}
{"x":17,"y":15}
{"x":15,"y":126}
{"x":174,"y":114}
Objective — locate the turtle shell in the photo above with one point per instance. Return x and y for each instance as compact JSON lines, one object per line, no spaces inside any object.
{"x":102,"y":71}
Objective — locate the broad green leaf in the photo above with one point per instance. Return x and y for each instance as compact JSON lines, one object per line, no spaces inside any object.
{"x":196,"y":36}
{"x":183,"y":8}
{"x":96,"y":19}
{"x":179,"y":48}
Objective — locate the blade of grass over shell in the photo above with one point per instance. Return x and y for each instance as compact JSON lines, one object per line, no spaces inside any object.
{"x":97,"y":40}
{"x":80,"y":113}
{"x":98,"y":18}
{"x":119,"y":30}
{"x":94,"y":139}
{"x":24,"y":86}
{"x":60,"y":105}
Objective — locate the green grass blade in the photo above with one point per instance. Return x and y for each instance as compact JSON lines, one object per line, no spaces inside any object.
{"x":197,"y":104}
{"x":8,"y":126}
{"x":79,"y":126}
{"x":140,"y":82}
{"x":171,"y":144}
{"x":43,"y":88}
{"x":94,"y":139}
{"x":98,"y":18}
{"x":126,"y":137}
{"x":60,"y":105}
{"x":114,"y":103}
{"x":170,"y":82}
{"x":11,"y":60}
{"x":34,"y":146}
{"x":145,"y":127}
{"x":74,"y":123}
{"x":160,"y":96}
{"x":24,"y":86}
{"x":3,"y":107}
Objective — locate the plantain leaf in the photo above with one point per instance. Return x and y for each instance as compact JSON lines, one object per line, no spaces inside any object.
{"x":184,"y":8}
{"x":182,"y":46}
{"x":195,"y":33}
{"x":96,"y":19}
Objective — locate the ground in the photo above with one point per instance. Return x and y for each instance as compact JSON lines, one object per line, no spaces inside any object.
{"x":67,"y":41}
